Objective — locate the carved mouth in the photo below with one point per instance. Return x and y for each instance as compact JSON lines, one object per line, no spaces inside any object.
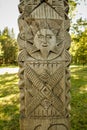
{"x":44,"y":45}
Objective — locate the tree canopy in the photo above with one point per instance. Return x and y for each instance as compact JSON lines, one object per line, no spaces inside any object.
{"x":8,"y":47}
{"x":79,"y":36}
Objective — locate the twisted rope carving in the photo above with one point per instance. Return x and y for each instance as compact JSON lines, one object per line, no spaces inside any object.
{"x":67,"y":56}
{"x":21,"y":58}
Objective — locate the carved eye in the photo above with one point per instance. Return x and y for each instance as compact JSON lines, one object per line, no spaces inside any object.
{"x":40,"y":36}
{"x":49,"y":36}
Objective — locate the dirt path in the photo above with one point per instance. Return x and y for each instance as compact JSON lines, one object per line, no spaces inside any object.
{"x":8,"y":70}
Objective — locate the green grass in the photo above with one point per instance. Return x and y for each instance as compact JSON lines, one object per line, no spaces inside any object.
{"x":8,"y":66}
{"x":9,"y":100}
{"x":79,"y":98}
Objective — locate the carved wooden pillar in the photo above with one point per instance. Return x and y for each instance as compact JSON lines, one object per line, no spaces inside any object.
{"x":44,"y":62}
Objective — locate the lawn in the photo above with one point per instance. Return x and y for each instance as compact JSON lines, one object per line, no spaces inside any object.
{"x":79,"y":98}
{"x":9,"y":100}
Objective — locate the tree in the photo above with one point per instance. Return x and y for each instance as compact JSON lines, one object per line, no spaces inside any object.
{"x":78,"y":34}
{"x":81,"y":52}
{"x":79,"y":48}
{"x":8,"y":47}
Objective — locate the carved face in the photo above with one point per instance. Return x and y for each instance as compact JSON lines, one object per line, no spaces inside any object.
{"x":45,"y":39}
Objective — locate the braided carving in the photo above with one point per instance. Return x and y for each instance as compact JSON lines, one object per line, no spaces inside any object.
{"x":68,"y":58}
{"x":21,"y":59}
{"x":44,"y":61}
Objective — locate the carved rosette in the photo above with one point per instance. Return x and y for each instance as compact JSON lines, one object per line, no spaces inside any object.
{"x":44,"y":62}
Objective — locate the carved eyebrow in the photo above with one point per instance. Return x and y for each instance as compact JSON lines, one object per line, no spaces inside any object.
{"x":40,"y":35}
{"x":49,"y":35}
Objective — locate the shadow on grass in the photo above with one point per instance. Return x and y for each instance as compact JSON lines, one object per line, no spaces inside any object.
{"x":9,"y":115}
{"x":11,"y":124}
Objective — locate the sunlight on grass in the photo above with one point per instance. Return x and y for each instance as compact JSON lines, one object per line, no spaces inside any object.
{"x":5,"y":117}
{"x":9,"y":84}
{"x":73,"y":69}
{"x":8,"y":99}
{"x":8,"y":77}
{"x":75,"y":76}
{"x":83,"y":89}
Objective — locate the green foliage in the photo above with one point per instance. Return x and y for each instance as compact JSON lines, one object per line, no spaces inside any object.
{"x":79,"y":48}
{"x":79,"y":26}
{"x":8,"y":47}
{"x":72,"y":7}
{"x":79,"y":36}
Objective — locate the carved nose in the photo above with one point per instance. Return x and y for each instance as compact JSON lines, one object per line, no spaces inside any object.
{"x":45,"y":42}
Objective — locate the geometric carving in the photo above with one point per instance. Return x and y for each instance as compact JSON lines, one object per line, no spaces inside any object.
{"x":43,"y":89}
{"x":44,"y":62}
{"x":43,"y":12}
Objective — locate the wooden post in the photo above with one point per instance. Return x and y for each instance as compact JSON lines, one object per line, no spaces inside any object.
{"x":44,"y":62}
